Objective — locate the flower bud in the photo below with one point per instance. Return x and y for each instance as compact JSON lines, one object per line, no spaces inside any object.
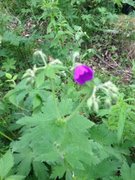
{"x":95,"y":106}
{"x":56,"y":61}
{"x":83,"y":74}
{"x":111,"y":87}
{"x":108,"y":102}
{"x":114,"y":97}
{"x":89,"y":103}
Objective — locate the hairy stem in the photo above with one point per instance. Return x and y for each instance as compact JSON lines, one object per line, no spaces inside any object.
{"x":78,"y":107}
{"x":55,"y":101}
{"x":7,"y":137}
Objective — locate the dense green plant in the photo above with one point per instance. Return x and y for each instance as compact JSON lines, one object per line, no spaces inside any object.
{"x":5,"y":167}
{"x":55,"y":26}
{"x":57,"y":138}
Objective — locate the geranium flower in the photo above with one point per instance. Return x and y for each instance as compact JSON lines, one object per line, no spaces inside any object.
{"x":82,"y":74}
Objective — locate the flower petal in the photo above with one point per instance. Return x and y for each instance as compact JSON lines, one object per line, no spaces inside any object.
{"x":82,"y":74}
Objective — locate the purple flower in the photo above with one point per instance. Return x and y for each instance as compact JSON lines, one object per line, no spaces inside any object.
{"x":82,"y":74}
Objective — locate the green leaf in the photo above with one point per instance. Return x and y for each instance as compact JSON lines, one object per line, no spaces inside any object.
{"x":73,"y":160}
{"x":11,"y":38}
{"x":121,"y":121}
{"x":8,"y":75}
{"x":106,"y":168}
{"x":16,"y":95}
{"x":2,"y":73}
{"x":128,"y":172}
{"x":80,"y":123}
{"x":65,"y":106}
{"x":36,"y":101}
{"x":104,"y":135}
{"x":34,"y":2}
{"x":25,"y":157}
{"x":58,"y":171}
{"x":69,"y":175}
{"x":49,"y":157}
{"x":40,"y":170}
{"x":50,"y":72}
{"x":15,"y":77}
{"x":2,"y":106}
{"x":40,"y":78}
{"x":6,"y":163}
{"x":15,"y":177}
{"x":9,"y":64}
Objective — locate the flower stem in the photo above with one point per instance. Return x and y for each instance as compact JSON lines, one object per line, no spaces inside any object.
{"x":7,"y":137}
{"x":55,"y":101}
{"x":78,"y":107}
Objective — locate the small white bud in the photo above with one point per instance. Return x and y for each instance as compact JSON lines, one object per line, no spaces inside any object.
{"x":89,"y":103}
{"x":108,"y":102}
{"x":56,"y":61}
{"x":95,"y":106}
